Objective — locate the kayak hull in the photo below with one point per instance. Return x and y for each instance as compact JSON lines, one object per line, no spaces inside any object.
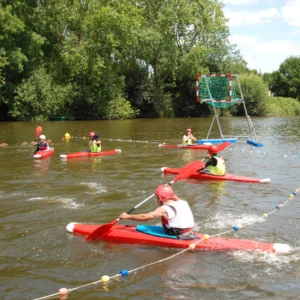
{"x":204,"y":176}
{"x":194,"y":146}
{"x":43,"y":154}
{"x":129,"y":235}
{"x":92,"y":154}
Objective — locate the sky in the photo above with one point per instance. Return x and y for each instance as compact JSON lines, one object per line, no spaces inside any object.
{"x":265,"y":31}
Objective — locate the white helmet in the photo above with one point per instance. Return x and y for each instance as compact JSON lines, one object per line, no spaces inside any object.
{"x":42,"y":137}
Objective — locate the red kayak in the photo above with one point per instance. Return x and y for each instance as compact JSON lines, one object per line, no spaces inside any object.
{"x":143,"y":234}
{"x":193,"y":146}
{"x":204,"y":176}
{"x":43,"y":154}
{"x":85,"y":153}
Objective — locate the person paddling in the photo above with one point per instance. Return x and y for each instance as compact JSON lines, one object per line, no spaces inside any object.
{"x":215,"y":165}
{"x":188,"y":138}
{"x":95,"y":143}
{"x":42,"y":145}
{"x":175,"y":214}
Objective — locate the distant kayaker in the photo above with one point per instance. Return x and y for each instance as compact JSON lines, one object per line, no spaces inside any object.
{"x":175,"y":214}
{"x":95,"y":143}
{"x":188,"y":138}
{"x":42,"y":145}
{"x":215,"y":165}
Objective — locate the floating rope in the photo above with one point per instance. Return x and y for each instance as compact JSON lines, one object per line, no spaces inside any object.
{"x":63,"y":292}
{"x":266,"y":153}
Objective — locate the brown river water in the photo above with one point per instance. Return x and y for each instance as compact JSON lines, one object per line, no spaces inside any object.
{"x":40,"y":197}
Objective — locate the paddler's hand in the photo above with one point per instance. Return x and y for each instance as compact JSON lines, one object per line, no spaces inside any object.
{"x":124,"y":216}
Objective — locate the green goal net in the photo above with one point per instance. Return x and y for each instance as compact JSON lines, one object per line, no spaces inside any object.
{"x":219,"y":90}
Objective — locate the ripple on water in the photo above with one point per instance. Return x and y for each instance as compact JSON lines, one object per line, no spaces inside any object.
{"x":67,"y":202}
{"x":97,"y":187}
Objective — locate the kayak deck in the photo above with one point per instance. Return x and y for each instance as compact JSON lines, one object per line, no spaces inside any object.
{"x":92,"y":154}
{"x":227,"y":176}
{"x":129,"y":234}
{"x":193,"y":146}
{"x":42,"y":154}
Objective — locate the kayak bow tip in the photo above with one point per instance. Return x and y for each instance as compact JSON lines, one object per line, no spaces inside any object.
{"x":64,"y":156}
{"x":163,"y":169}
{"x":281,"y":248}
{"x":70,"y":227}
{"x":265,"y":180}
{"x":37,"y":156}
{"x":118,"y":150}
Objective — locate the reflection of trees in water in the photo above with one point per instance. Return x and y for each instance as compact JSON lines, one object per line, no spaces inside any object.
{"x":83,"y":164}
{"x":191,"y":154}
{"x":42,"y":165}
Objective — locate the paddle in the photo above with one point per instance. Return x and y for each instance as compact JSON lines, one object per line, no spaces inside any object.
{"x":38,"y":132}
{"x":223,"y":146}
{"x":184,"y":173}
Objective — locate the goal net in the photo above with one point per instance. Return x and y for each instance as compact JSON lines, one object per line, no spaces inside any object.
{"x":219,"y":90}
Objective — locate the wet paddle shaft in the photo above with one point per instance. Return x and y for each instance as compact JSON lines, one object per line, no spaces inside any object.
{"x":184,"y":173}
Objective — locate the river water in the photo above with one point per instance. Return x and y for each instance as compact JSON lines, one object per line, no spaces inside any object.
{"x":40,"y":197}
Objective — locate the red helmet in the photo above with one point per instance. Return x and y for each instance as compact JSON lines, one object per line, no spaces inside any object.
{"x":188,"y":130}
{"x":213,"y":149}
{"x":164,"y":192}
{"x":91,"y":134}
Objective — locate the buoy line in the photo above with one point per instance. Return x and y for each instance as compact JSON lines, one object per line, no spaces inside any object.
{"x":63,"y":292}
{"x":265,"y":153}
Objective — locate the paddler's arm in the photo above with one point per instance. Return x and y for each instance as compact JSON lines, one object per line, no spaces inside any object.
{"x":192,"y":137}
{"x":158,"y":213}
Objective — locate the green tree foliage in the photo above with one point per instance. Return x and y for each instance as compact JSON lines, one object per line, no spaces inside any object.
{"x":110,"y":59}
{"x":180,"y":37}
{"x":279,"y":106}
{"x":120,"y":108}
{"x":255,"y":93}
{"x":20,"y":48}
{"x":286,"y":81}
{"x":38,"y":97}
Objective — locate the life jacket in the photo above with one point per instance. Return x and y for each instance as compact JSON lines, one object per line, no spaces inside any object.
{"x":95,"y":148}
{"x":220,"y":168}
{"x":188,"y":142}
{"x":43,"y":146}
{"x":183,"y":219}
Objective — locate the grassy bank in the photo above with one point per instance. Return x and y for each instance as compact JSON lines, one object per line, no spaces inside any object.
{"x":279,"y":106}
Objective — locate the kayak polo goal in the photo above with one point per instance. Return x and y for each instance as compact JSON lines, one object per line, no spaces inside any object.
{"x":223,"y":91}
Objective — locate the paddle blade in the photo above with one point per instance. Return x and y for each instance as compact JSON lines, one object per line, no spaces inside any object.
{"x":189,"y":169}
{"x":38,"y":132}
{"x":223,"y":146}
{"x":100,"y":230}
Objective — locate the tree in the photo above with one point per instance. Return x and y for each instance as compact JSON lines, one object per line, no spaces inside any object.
{"x":287,"y":79}
{"x":255,"y":93}
{"x":38,"y":97}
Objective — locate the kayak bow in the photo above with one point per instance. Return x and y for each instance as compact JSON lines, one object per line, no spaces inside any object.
{"x":205,"y":176}
{"x":86,"y":153}
{"x":132,"y":235}
{"x":42,"y":154}
{"x":193,"y":146}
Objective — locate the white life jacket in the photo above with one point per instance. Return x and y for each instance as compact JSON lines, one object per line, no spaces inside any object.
{"x":180,"y":215}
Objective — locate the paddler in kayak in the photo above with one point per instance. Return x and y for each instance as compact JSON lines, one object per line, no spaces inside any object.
{"x":95,"y":143}
{"x":188,"y":138}
{"x":215,"y":165}
{"x":42,"y":145}
{"x":175,"y":214}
